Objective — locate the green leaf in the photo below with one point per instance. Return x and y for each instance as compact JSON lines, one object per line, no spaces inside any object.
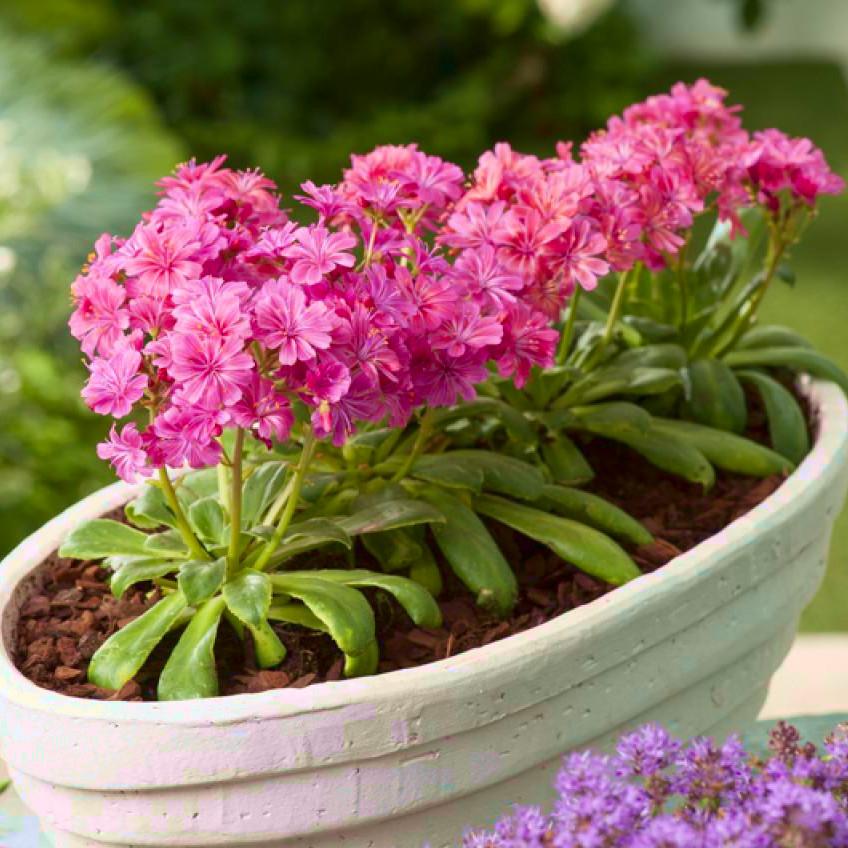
{"x":207,"y":520}
{"x":511,"y":418}
{"x":582,"y":546}
{"x":674,"y":455}
{"x":120,"y":657}
{"x":190,"y":671}
{"x":201,"y":579}
{"x":343,"y":610}
{"x":426,"y":572}
{"x":103,"y":537}
{"x":415,"y":599}
{"x":197,"y":484}
{"x":797,"y":359}
{"x":667,"y":355}
{"x":270,"y":651}
{"x":326,"y":529}
{"x":136,"y":570}
{"x":395,"y":550}
{"x":4,"y":785}
{"x":715,"y":397}
{"x":786,"y":422}
{"x":305,"y":536}
{"x":473,"y":555}
{"x":168,"y":544}
{"x":260,"y":490}
{"x":446,"y":469}
{"x":771,"y":335}
{"x":248,"y":596}
{"x":566,"y":462}
{"x":613,"y":419}
{"x":503,"y":474}
{"x":364,"y":664}
{"x":150,"y":510}
{"x":616,"y":380}
{"x":387,"y":515}
{"x":297,"y":613}
{"x":596,"y":512}
{"x":725,"y":450}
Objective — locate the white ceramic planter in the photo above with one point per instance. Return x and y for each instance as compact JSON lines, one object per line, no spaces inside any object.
{"x":417,"y":755}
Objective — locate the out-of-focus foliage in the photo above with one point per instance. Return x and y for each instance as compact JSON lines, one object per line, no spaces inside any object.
{"x":295,"y":86}
{"x":79,"y":149}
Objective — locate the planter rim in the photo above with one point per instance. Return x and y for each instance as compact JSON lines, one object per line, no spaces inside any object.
{"x":831,"y":416}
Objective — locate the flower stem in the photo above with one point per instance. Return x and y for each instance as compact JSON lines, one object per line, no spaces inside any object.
{"x":273,"y":543}
{"x":189,"y":538}
{"x":776,"y":248}
{"x":568,"y":331}
{"x":615,"y":310}
{"x":425,"y":426}
{"x":235,"y":504}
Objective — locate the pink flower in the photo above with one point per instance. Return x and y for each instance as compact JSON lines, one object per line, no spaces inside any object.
{"x":432,"y":298}
{"x":318,"y":252}
{"x":775,"y":162}
{"x":328,"y":381}
{"x":466,"y":330}
{"x":100,"y":318}
{"x":327,"y":200}
{"x":362,"y":344}
{"x":162,"y":260}
{"x":527,"y":241}
{"x":209,"y":371}
{"x":441,"y":379}
{"x":360,"y":403}
{"x":263,"y":411}
{"x":528,"y":340}
{"x":212,"y":307}
{"x":115,"y":384}
{"x":485,"y":279}
{"x":187,"y":435}
{"x":475,"y":226}
{"x":127,"y":453}
{"x":433,"y":181}
{"x":577,"y":254}
{"x":285,"y":322}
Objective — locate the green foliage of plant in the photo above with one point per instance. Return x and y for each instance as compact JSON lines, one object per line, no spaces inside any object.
{"x":79,"y":148}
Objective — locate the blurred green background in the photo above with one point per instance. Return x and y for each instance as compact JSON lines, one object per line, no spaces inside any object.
{"x":98,"y":98}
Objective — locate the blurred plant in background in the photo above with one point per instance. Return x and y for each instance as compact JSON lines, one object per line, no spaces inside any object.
{"x":79,"y":147}
{"x":295,"y":91}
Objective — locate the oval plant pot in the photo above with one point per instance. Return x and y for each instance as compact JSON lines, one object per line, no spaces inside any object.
{"x":415,"y":756}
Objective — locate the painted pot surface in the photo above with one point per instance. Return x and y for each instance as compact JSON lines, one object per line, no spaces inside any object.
{"x":416,"y":756}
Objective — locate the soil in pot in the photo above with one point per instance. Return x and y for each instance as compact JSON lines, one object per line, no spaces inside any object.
{"x":70,"y":610}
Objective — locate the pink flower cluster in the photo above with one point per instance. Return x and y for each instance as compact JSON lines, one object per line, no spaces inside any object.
{"x":776,"y":163}
{"x":409,"y":289}
{"x":633,"y":196}
{"x":221,"y":312}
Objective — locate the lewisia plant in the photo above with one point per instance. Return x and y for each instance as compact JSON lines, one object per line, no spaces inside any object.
{"x":423,"y":360}
{"x":656,"y":792}
{"x":239,"y":341}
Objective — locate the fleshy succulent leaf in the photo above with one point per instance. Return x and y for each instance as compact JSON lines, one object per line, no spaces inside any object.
{"x":120,"y":657}
{"x":588,"y":549}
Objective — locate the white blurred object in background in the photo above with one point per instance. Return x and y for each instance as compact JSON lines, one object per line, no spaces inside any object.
{"x":709,"y":29}
{"x":573,"y":16}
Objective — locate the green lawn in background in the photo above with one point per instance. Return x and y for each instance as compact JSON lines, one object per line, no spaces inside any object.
{"x":806,"y":99}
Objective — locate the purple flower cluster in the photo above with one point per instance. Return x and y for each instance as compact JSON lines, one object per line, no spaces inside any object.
{"x":657,"y":793}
